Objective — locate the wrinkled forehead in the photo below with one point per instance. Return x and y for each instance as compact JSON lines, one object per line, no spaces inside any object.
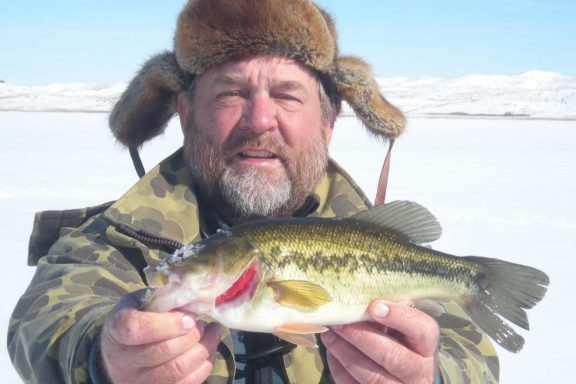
{"x":262,"y":69}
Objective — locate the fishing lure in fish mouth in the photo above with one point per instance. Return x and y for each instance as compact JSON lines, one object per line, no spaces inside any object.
{"x":295,"y":276}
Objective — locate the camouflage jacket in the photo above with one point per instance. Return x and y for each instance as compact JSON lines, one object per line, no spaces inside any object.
{"x":87,"y":259}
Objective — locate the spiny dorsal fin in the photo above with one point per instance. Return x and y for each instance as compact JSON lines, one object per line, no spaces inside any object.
{"x":300,"y":293}
{"x":407,"y":218}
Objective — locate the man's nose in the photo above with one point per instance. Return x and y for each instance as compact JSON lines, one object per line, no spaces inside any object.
{"x":259,"y":114}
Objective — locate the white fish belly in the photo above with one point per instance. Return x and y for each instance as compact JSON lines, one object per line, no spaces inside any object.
{"x":268,"y":317}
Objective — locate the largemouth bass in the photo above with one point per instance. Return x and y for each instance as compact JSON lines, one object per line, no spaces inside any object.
{"x":296,"y":276}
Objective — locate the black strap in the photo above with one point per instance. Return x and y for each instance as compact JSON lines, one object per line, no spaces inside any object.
{"x":137,"y":161}
{"x":281,"y":348}
{"x":96,"y":370}
{"x":383,"y":181}
{"x":259,"y":357}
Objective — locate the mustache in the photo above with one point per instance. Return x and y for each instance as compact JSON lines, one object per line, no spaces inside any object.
{"x":274,"y":144}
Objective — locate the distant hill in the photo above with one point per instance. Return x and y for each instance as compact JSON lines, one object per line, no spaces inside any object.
{"x":534,"y":94}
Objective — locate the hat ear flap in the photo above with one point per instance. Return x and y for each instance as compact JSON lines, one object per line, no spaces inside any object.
{"x":149,"y":102}
{"x":354,"y":80}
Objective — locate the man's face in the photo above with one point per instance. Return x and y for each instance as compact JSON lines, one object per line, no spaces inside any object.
{"x":255,"y":140}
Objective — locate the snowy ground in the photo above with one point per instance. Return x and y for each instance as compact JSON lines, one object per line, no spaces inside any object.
{"x":537,"y":94}
{"x":501,"y":188}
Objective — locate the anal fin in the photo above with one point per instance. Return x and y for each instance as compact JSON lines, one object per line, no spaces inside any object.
{"x":430,"y":306}
{"x":302,"y":328}
{"x":300,"y":334}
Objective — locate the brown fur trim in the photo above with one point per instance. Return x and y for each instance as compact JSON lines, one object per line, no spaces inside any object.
{"x":149,"y":102}
{"x":355,"y":82}
{"x":211,"y":32}
{"x":331,"y":28}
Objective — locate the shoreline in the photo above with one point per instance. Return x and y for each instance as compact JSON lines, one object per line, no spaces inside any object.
{"x":451,"y":115}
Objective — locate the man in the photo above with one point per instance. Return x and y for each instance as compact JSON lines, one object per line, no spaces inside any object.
{"x":257,"y":86}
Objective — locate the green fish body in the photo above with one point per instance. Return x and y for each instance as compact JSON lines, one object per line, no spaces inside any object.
{"x":295,"y":276}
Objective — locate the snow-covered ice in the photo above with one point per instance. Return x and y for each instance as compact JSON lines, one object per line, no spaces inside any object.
{"x":535,"y":94}
{"x":500,"y":187}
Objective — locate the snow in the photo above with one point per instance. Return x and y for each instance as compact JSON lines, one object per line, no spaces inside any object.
{"x":500,"y":187}
{"x":534,"y":94}
{"x":68,"y":97}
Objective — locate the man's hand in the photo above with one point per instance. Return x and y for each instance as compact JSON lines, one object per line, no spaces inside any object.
{"x":400,"y":346}
{"x":146,"y":347}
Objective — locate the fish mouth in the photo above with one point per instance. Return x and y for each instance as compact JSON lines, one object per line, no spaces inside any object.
{"x":244,"y":286}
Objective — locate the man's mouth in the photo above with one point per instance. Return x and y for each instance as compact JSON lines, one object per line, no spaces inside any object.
{"x":257,"y":154}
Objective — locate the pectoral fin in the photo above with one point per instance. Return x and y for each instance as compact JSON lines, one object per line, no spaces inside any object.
{"x":299,"y":293}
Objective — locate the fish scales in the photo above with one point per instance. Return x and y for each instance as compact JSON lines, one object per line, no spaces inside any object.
{"x":294,"y":276}
{"x":376,"y":263}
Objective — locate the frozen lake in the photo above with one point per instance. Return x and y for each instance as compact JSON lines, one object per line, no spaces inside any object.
{"x":500,"y":188}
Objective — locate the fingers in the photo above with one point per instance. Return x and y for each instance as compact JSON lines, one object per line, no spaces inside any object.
{"x":369,"y":356}
{"x":149,"y":347}
{"x":348,"y":364}
{"x":338,"y":371}
{"x":132,"y":327}
{"x":132,"y":340}
{"x":200,"y":375}
{"x":401,"y":345}
{"x":127,"y":325}
{"x":156,"y":353}
{"x":420,"y":331}
{"x":194,"y":365}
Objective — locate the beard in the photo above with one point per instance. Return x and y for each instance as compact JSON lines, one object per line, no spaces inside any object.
{"x":247,"y":194}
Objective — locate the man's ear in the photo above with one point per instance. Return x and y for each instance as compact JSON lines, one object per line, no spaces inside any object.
{"x":329,"y":127}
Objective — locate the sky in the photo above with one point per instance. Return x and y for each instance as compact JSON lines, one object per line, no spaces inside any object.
{"x":94,"y":41}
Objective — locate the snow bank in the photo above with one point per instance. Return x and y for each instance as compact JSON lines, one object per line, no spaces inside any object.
{"x":534,"y":94}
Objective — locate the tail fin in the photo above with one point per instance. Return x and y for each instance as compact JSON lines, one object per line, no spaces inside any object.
{"x":505,"y":289}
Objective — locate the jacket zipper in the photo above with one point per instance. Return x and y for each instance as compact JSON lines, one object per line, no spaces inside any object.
{"x":166,"y":243}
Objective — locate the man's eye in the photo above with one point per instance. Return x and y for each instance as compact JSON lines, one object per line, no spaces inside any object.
{"x":229,"y":94}
{"x":287,"y":96}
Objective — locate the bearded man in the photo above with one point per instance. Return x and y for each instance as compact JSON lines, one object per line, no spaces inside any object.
{"x":257,"y":86}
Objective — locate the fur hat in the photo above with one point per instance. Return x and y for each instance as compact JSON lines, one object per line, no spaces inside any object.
{"x":212,"y":32}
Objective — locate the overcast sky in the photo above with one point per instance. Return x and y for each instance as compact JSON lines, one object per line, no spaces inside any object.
{"x":91,"y":41}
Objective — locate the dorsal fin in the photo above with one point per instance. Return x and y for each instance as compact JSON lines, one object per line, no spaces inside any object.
{"x":407,"y":218}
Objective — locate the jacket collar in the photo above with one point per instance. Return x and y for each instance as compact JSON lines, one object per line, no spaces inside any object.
{"x":163,"y":202}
